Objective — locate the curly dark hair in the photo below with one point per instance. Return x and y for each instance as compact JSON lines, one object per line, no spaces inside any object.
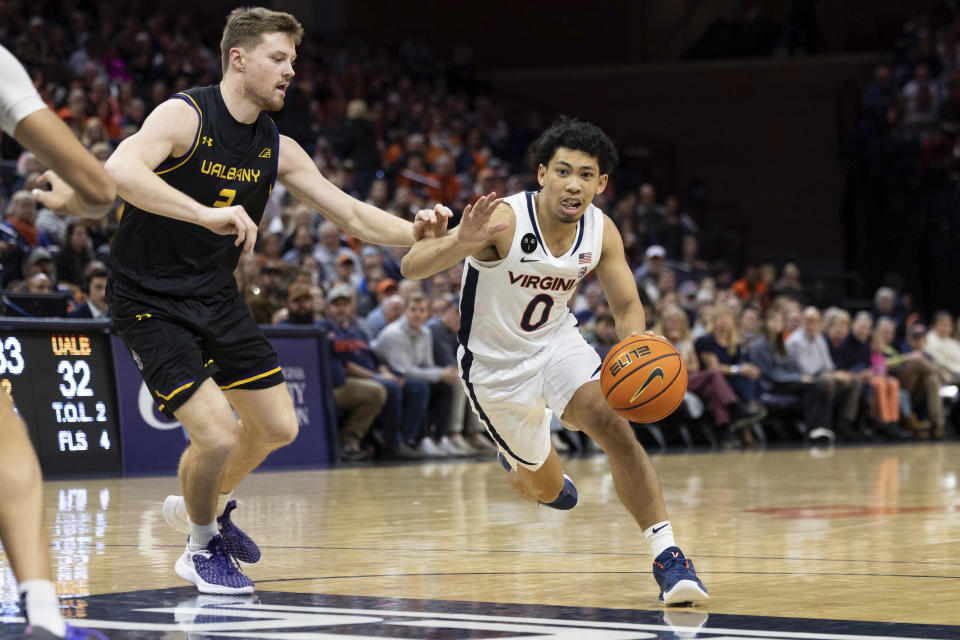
{"x":576,"y":135}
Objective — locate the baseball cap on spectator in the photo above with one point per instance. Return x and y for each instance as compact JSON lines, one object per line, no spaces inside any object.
{"x":387,"y":284}
{"x":369,"y":250}
{"x":344,"y":258}
{"x":656,"y":251}
{"x":339,"y":291}
{"x":38,"y":255}
{"x":298,"y":290}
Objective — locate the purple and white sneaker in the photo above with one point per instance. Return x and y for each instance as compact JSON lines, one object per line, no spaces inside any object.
{"x":73,"y":633}
{"x":238,"y":544}
{"x":213,"y":570}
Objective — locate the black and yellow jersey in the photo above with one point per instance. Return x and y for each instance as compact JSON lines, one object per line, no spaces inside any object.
{"x":230,"y":163}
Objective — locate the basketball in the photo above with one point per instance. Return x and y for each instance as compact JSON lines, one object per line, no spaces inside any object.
{"x":643,"y":378}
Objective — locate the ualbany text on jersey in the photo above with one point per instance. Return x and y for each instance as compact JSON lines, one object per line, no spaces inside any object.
{"x":544,"y":283}
{"x":229,"y":173}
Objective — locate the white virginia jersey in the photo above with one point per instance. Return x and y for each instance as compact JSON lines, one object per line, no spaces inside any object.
{"x":512,"y":308}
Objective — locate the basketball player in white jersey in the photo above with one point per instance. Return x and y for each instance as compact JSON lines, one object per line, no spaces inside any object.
{"x":521,"y":356}
{"x":84,"y":190}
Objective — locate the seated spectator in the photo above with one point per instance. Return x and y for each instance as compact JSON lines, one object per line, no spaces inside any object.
{"x":917,"y":375}
{"x":40,"y":261}
{"x":465,"y":433}
{"x":299,"y":306}
{"x":603,"y":335}
{"x":302,"y":242}
{"x":95,"y":287}
{"x":708,"y":384}
{"x":346,"y":272}
{"x":389,"y":310}
{"x":406,"y":402}
{"x":270,"y":296}
{"x":647,"y":274}
{"x":21,"y":217}
{"x":328,"y":249}
{"x":943,"y":348}
{"x":406,"y":346}
{"x":809,"y":349}
{"x":750,"y":288}
{"x":690,"y":267}
{"x":749,"y":324}
{"x":74,"y":256}
{"x":39,"y":283}
{"x":720,"y":349}
{"x":589,"y":302}
{"x":886,"y":305}
{"x":789,"y":283}
{"x":781,"y":374}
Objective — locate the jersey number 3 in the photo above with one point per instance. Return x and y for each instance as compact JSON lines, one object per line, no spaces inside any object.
{"x":526,"y":322}
{"x":228,"y":195}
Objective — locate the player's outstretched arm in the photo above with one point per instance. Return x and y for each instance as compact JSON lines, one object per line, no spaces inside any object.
{"x":298,"y":173}
{"x":486,"y":223}
{"x":171,"y":131}
{"x":618,"y":283}
{"x":77,"y":182}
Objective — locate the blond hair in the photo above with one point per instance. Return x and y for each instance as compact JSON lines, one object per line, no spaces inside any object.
{"x":247,"y":25}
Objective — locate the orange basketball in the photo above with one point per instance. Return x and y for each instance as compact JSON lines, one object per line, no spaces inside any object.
{"x":643,"y":378}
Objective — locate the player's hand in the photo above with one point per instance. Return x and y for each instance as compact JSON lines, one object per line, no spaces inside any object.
{"x":474,"y":227}
{"x":227,"y":221}
{"x":51,"y":191}
{"x":431,"y":223}
{"x":651,"y":334}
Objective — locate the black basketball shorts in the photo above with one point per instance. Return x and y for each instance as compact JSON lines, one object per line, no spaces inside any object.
{"x":177,"y":343}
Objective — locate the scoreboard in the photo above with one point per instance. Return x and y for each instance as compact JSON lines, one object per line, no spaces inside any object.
{"x":61,"y":383}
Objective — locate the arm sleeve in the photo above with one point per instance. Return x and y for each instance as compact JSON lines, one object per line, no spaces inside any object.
{"x":18,"y":98}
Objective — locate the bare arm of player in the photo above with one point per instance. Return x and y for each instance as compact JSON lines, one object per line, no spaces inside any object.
{"x":618,"y":283}
{"x":298,"y":173}
{"x":170,"y":131}
{"x":486,"y":226}
{"x":78,"y":183}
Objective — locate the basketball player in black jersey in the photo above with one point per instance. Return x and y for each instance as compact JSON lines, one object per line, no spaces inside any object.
{"x":197,"y":173}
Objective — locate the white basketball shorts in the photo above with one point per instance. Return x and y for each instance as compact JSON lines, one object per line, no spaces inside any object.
{"x":516,"y":400}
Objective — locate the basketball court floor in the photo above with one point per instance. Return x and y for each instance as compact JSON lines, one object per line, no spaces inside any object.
{"x":841,"y":544}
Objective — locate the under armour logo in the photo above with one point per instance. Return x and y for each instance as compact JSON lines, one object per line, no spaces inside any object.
{"x":207,"y":141}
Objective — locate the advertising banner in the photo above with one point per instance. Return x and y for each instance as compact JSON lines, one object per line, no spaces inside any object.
{"x":152,"y":443}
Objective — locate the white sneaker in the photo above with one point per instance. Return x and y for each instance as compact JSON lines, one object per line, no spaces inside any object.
{"x":175,"y":513}
{"x":448,"y":448}
{"x":213,"y":570}
{"x":461,"y":443}
{"x":428,"y":448}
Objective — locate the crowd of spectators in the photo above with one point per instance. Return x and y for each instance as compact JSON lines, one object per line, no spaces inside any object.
{"x":402,"y":130}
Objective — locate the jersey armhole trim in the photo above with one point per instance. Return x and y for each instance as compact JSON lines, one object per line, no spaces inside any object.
{"x":196,"y":142}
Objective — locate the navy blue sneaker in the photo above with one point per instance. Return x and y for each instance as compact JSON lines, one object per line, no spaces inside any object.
{"x":213,"y":570}
{"x":238,"y":544}
{"x":567,"y":498}
{"x":503,"y":461}
{"x":677,"y":578}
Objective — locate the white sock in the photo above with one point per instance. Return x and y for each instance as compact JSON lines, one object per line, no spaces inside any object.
{"x":42,"y":606}
{"x":201,"y":534}
{"x":222,"y":501}
{"x":660,"y":537}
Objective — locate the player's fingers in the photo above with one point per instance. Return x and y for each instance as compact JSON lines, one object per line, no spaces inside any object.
{"x":497,"y":228}
{"x":443,"y":211}
{"x":45,"y":179}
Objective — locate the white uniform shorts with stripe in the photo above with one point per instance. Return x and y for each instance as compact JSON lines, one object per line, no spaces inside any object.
{"x":516,"y":400}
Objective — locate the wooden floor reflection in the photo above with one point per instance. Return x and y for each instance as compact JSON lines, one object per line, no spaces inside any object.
{"x":852,"y":533}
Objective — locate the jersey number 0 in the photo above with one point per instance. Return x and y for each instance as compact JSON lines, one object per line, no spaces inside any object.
{"x":526,"y":322}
